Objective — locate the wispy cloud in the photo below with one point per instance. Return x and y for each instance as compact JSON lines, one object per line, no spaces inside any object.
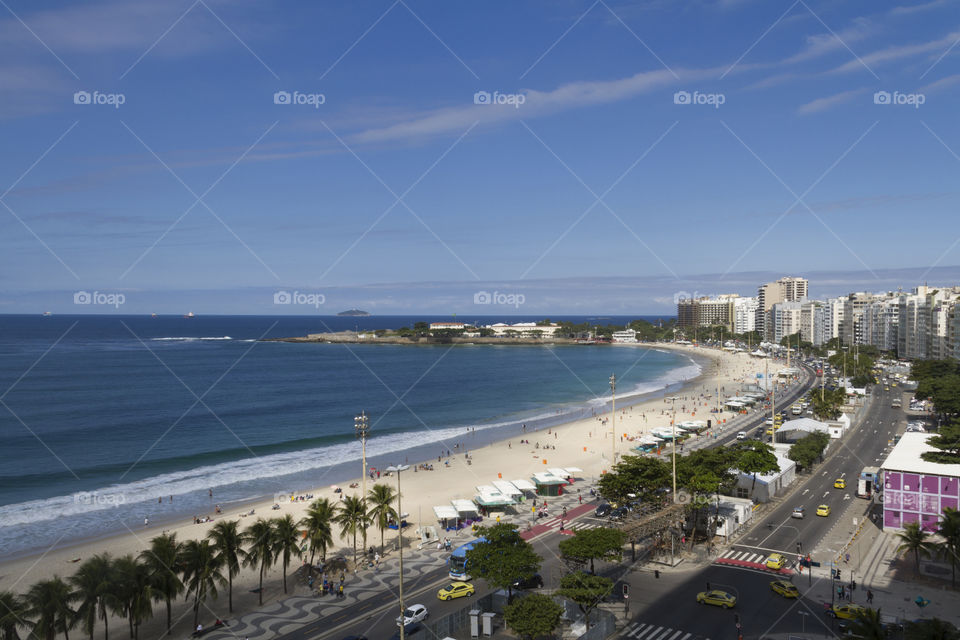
{"x":918,"y":8}
{"x":822,"y":44}
{"x":829,"y":102}
{"x":894,"y":53}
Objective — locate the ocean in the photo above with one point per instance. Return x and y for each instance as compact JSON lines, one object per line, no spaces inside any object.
{"x":101,"y":416}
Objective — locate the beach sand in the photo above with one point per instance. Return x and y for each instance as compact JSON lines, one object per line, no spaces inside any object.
{"x":585,"y":443}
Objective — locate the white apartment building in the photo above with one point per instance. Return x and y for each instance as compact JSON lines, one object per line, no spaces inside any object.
{"x":786,"y":319}
{"x":881,"y":319}
{"x":811,"y":322}
{"x":744,"y":315}
{"x":853,"y":325}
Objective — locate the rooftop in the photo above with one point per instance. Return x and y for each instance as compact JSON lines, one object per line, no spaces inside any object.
{"x":906,"y":457}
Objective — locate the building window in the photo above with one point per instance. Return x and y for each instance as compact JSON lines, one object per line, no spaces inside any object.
{"x":742,"y":493}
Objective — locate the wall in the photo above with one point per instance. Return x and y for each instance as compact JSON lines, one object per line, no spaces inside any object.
{"x":914,"y":497}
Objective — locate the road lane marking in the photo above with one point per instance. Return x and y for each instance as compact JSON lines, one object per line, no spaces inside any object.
{"x":639,"y":637}
{"x":674,"y":636}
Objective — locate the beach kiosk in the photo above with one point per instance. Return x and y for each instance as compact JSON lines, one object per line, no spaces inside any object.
{"x":466,"y":510}
{"x":509,"y":490}
{"x":447,"y":516}
{"x":548,"y":484}
{"x":561,"y":473}
{"x":525,"y":486}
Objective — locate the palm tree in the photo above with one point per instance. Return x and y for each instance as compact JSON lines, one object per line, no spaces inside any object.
{"x":381,"y":498}
{"x":259,"y":537}
{"x":163,"y":561}
{"x":950,"y":530}
{"x":286,"y":542}
{"x":353,"y":519}
{"x":228,"y":542}
{"x":12,"y":615}
{"x":48,"y":603}
{"x":913,"y":539}
{"x":867,"y":626}
{"x":93,"y":587}
{"x":133,"y":589}
{"x":317,"y":525}
{"x":202,"y":573}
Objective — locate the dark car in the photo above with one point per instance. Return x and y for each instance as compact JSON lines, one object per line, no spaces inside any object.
{"x":603,"y":510}
{"x":409,"y":630}
{"x":618,"y":513}
{"x":533,"y":582}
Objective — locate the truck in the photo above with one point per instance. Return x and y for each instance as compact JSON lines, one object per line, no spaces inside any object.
{"x":868,"y":483}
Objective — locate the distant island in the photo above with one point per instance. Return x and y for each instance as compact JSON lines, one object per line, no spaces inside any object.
{"x":354,"y":313}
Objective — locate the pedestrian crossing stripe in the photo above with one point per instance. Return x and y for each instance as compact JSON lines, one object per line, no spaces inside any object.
{"x":744,"y":556}
{"x":641,"y":631}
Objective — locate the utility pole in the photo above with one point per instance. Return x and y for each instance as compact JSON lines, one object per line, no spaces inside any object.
{"x":613,"y":420}
{"x":673,"y":422}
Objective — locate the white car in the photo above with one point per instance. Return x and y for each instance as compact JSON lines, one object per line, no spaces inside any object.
{"x":414,"y":613}
{"x":798,"y":513}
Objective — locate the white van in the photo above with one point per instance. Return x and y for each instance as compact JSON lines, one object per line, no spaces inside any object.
{"x":741,"y":435}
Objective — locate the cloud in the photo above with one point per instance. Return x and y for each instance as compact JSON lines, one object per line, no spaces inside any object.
{"x":829,"y":102}
{"x":537,"y":103}
{"x":917,"y":8}
{"x":897,"y":53}
{"x":942,"y":83}
{"x":822,"y":44}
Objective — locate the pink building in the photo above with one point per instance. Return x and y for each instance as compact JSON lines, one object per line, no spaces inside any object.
{"x":915,"y":490}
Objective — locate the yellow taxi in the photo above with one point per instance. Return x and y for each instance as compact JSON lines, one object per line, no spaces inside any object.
{"x":717,"y":598}
{"x":769,"y":431}
{"x":456,"y":590}
{"x":839,"y":483}
{"x":785,"y":589}
{"x":775,"y":561}
{"x":846,"y":611}
{"x":823,"y":510}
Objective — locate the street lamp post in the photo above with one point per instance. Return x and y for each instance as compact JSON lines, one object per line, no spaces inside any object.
{"x":362,"y":425}
{"x":673,"y":422}
{"x":397,"y":469}
{"x":613,"y":420}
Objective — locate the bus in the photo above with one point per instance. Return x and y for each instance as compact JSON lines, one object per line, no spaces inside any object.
{"x":868,"y":482}
{"x":458,"y":560}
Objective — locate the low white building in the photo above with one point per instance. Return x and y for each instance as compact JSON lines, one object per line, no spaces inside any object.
{"x":523,"y":329}
{"x":793,"y":430}
{"x":627,"y":335}
{"x":731,"y":514}
{"x":768,"y":485}
{"x":439,"y":326}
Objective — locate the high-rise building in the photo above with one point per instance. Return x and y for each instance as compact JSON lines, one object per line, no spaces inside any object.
{"x":786,"y":320}
{"x":791,"y":289}
{"x":854,"y":329}
{"x":707,"y":312}
{"x":744,"y":315}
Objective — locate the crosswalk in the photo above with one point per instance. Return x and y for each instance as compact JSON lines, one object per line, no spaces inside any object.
{"x":641,"y":631}
{"x":571,"y":526}
{"x":743,"y":556}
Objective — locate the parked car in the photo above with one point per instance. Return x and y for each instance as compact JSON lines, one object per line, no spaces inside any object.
{"x":603,"y":510}
{"x":533,"y":582}
{"x":619,"y":513}
{"x":414,"y":613}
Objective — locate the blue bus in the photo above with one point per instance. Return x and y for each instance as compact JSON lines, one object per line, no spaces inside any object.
{"x":458,"y":560}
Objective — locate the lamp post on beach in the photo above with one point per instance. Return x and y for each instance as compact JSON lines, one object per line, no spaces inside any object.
{"x":673,"y":423}
{"x":613,"y":419}
{"x":362,"y":425}
{"x":397,"y":469}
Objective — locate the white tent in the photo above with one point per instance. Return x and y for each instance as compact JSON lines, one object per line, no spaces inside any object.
{"x":464,"y":507}
{"x":558,"y":472}
{"x":523,"y":485}
{"x":445,"y":512}
{"x":507,"y":488}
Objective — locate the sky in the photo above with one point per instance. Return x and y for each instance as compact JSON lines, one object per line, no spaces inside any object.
{"x":404,"y":156}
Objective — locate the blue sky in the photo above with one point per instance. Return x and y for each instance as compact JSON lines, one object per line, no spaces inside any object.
{"x":655,"y":147}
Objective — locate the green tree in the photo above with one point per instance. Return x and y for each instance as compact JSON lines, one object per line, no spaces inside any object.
{"x":913,"y":539}
{"x":949,"y":528}
{"x":12,"y":615}
{"x":826,"y":403}
{"x":259,"y":540}
{"x":586,"y":590}
{"x":868,"y":625}
{"x":93,"y":588}
{"x":534,"y":616}
{"x":133,"y":589}
{"x":381,"y":498}
{"x":933,"y":629}
{"x":502,"y":557}
{"x":318,"y":524}
{"x":163,"y":561}
{"x":47,"y":603}
{"x":353,"y":519}
{"x":286,"y":543}
{"x":638,"y":475}
{"x":947,"y":443}
{"x":202,"y":573}
{"x":808,"y":449}
{"x":753,"y":457}
{"x":587,"y":545}
{"x":228,"y":542}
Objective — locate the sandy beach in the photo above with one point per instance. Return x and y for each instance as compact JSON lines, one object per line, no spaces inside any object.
{"x":584,"y":443}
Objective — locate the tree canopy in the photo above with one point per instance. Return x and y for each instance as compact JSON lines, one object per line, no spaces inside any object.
{"x":808,"y":449}
{"x":588,"y":591}
{"x":533,"y":616}
{"x":503,"y":557}
{"x":753,"y":457}
{"x":587,"y":545}
{"x":637,"y":475}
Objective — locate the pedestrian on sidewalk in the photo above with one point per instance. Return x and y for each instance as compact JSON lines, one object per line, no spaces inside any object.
{"x":869,"y":596}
